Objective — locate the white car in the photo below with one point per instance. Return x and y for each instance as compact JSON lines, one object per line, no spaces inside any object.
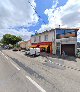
{"x":33,"y":52}
{"x":27,"y":52}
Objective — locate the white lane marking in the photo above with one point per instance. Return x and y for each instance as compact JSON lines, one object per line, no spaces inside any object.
{"x":6,"y":57}
{"x":2,"y":53}
{"x":11,"y":62}
{"x":33,"y":82}
{"x":15,"y":66}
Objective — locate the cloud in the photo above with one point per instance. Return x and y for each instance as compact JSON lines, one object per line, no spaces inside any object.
{"x":44,"y":28}
{"x":25,"y":34}
{"x":66,"y":16}
{"x":17,"y":13}
{"x":49,"y":13}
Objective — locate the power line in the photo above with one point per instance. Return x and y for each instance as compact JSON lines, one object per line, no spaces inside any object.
{"x":36,"y":12}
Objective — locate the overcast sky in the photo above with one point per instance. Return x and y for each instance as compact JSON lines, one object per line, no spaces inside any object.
{"x":18,"y":17}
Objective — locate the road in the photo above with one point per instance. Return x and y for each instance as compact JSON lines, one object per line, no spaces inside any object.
{"x":12,"y":80}
{"x":20,"y":73}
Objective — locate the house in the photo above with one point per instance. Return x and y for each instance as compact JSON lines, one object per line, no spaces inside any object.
{"x":28,"y":44}
{"x":43,"y":41}
{"x":23,"y":44}
{"x":56,"y":40}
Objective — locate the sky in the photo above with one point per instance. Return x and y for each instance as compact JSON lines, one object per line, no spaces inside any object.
{"x":25,"y":17}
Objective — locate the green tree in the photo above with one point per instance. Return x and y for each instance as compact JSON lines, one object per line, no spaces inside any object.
{"x":10,"y":39}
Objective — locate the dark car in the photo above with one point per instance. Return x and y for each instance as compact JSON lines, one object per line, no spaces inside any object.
{"x":16,"y":49}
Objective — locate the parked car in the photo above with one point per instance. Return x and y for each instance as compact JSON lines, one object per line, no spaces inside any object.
{"x":6,"y":47}
{"x":16,"y":49}
{"x":27,"y":52}
{"x":33,"y":52}
{"x":19,"y":49}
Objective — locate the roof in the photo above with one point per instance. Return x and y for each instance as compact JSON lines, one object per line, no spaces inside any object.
{"x":20,"y":42}
{"x":69,"y":28}
{"x":44,"y":32}
{"x":23,"y":42}
{"x":55,"y":29}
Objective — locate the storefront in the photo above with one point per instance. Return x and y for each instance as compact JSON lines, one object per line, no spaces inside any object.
{"x":66,"y":40}
{"x":44,"y":46}
{"x":69,"y":49}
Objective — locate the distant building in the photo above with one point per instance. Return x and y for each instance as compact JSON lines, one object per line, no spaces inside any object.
{"x":28,"y":44}
{"x":56,"y":40}
{"x":23,"y":44}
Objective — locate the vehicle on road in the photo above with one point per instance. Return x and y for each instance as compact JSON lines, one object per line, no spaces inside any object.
{"x":33,"y":51}
{"x":16,"y":49}
{"x":27,"y":52}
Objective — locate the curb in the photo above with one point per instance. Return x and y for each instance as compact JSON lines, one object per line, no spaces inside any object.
{"x":68,"y":67}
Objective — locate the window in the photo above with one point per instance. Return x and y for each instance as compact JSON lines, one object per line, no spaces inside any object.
{"x":46,"y":38}
{"x":66,"y":33}
{"x":69,"y":31}
{"x":34,"y":39}
{"x":39,"y":38}
{"x":60,"y":34}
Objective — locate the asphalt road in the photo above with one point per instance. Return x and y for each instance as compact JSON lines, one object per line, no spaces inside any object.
{"x":20,"y":73}
{"x":12,"y":80}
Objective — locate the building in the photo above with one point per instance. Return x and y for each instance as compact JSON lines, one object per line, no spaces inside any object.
{"x":23,"y":44}
{"x":28,"y":44}
{"x":43,"y":40}
{"x":56,"y":40}
{"x":66,"y":40}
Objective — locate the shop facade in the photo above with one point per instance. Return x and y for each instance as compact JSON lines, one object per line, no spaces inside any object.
{"x":66,"y":40}
{"x":44,"y":41}
{"x":56,"y":41}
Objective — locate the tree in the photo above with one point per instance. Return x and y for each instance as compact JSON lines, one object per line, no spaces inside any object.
{"x":10,"y":39}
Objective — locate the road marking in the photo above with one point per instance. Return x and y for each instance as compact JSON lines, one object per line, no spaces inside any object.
{"x":15,"y":66}
{"x":11,"y":62}
{"x":6,"y":57}
{"x":2,"y":53}
{"x":33,"y":82}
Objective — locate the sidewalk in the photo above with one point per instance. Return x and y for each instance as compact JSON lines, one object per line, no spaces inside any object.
{"x":68,"y":62}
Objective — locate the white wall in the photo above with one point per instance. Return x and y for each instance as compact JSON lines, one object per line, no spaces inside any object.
{"x":28,"y":44}
{"x":50,"y":37}
{"x":71,"y":40}
{"x":22,"y":45}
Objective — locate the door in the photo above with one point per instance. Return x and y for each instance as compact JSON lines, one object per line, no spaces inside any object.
{"x":48,"y":49}
{"x":69,"y":49}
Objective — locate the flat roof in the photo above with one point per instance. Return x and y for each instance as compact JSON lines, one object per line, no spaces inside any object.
{"x":69,"y":28}
{"x":55,"y":29}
